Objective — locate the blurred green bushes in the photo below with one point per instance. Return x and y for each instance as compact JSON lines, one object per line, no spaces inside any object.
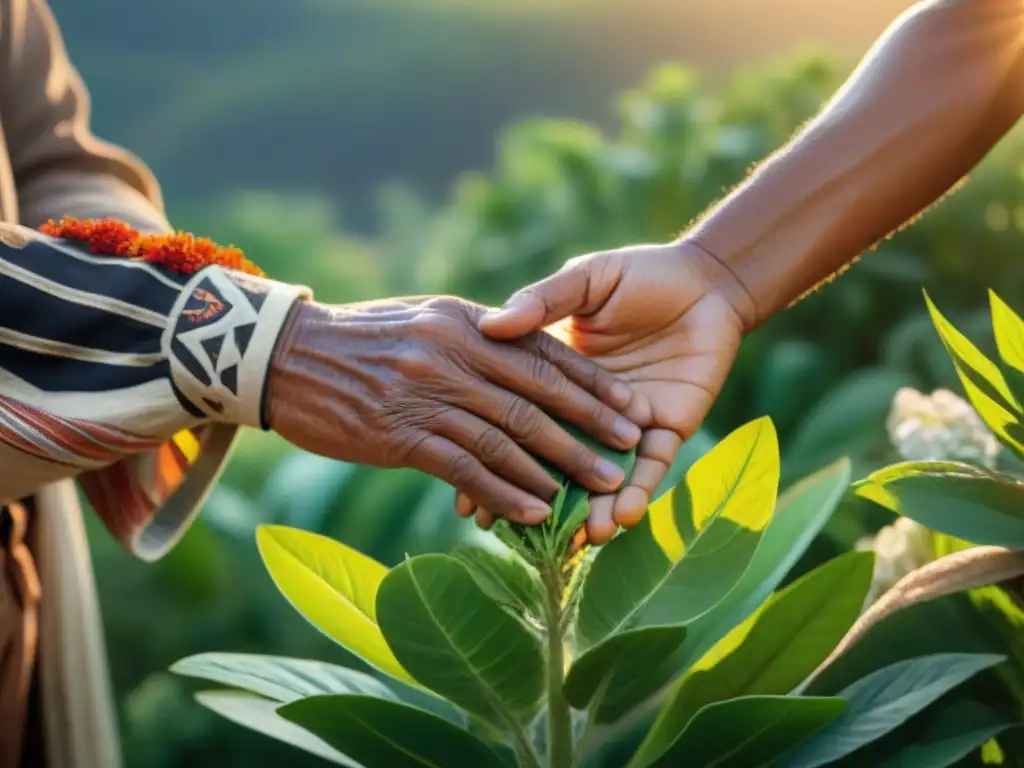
{"x":825,"y":371}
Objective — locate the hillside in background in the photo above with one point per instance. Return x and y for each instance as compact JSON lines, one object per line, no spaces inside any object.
{"x":337,"y":96}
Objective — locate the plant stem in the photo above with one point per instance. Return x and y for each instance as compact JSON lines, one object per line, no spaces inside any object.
{"x":560,"y":746}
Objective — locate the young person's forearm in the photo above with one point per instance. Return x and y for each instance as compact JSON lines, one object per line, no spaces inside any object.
{"x":932,"y":97}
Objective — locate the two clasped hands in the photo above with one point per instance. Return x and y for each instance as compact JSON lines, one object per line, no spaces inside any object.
{"x":468,"y":394}
{"x":648,"y":333}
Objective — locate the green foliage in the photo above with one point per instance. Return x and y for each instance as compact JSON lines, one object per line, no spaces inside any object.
{"x":882,"y":701}
{"x":824,"y":370}
{"x":955,"y":498}
{"x":490,"y":658}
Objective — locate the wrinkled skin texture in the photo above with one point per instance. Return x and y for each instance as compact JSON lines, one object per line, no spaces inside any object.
{"x":668,"y":319}
{"x":414,"y":383}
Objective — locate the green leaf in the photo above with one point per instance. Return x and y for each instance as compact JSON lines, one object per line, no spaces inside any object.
{"x":260,"y":715}
{"x":387,"y":733}
{"x":880,"y":702}
{"x":692,"y":450}
{"x":728,"y":499}
{"x":280,"y":678}
{"x":983,"y":382}
{"x":747,"y":732}
{"x":954,"y":733}
{"x":691,"y":587}
{"x":958,"y":499}
{"x":793,"y":634}
{"x":333,"y":587}
{"x":802,"y":512}
{"x":459,"y":642}
{"x":623,"y":657}
{"x":1009,"y":332}
{"x":505,"y":578}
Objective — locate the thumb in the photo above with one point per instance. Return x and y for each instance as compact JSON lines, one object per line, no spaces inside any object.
{"x":539,"y":305}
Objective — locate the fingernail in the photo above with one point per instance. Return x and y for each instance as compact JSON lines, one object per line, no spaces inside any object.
{"x":626,"y":431}
{"x":536,"y":514}
{"x":621,"y":392}
{"x":609,"y":472}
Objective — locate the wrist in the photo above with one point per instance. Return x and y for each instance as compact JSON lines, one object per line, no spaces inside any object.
{"x":303,"y":315}
{"x":722,"y":282}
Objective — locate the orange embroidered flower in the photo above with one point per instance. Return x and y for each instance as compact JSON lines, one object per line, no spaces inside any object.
{"x":181,"y":252}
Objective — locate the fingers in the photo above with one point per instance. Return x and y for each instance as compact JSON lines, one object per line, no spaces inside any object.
{"x":541,"y":304}
{"x":442,"y":458}
{"x":655,"y":454}
{"x":537,"y":432}
{"x":580,"y":370}
{"x":496,"y":451}
{"x":601,"y":525}
{"x":464,"y":506}
{"x":545,"y":383}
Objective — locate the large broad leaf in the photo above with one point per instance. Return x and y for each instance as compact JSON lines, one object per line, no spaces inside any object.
{"x":746,"y":733}
{"x":954,"y":732}
{"x":983,"y":382}
{"x":387,"y":733}
{"x":802,"y":512}
{"x":620,"y":659}
{"x":284,"y":680}
{"x":880,"y":702}
{"x":689,"y":588}
{"x":961,"y":500}
{"x":459,"y":642}
{"x":333,"y":587}
{"x":637,"y":580}
{"x":280,"y":678}
{"x":261,"y":715}
{"x":792,"y":635}
{"x":692,"y":450}
{"x":505,"y":578}
{"x":634,"y":584}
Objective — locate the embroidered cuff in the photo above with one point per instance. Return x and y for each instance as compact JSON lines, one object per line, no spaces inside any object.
{"x":222,"y":335}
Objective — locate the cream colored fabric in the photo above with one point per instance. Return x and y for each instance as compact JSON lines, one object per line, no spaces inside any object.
{"x":78,"y":712}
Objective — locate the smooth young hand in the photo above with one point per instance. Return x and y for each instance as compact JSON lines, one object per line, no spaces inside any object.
{"x":668,"y":319}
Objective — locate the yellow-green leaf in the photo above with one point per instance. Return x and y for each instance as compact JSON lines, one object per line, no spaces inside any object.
{"x":726,"y":501}
{"x":982,"y":380}
{"x":333,"y":587}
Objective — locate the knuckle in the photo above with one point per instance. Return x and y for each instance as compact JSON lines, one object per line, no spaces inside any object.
{"x":435,"y":322}
{"x":545,"y":377}
{"x":491,"y":445}
{"x":522,"y":419}
{"x":416,"y":362}
{"x":582,"y":458}
{"x":598,"y":415}
{"x":443,"y":304}
{"x":461,"y":471}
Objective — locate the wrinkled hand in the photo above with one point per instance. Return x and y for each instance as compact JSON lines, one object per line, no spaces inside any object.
{"x":666,"y":318}
{"x":414,"y":383}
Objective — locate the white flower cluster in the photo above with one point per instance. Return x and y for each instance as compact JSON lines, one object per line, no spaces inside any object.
{"x":899,"y":549}
{"x":939,"y":427}
{"x":936,"y":427}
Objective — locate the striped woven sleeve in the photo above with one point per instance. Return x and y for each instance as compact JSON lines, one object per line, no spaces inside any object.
{"x":124,"y":374}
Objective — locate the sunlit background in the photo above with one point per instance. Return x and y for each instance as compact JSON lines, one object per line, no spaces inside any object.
{"x":379,"y":147}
